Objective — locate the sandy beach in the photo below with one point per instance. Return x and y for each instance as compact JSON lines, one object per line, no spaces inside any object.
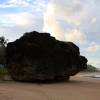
{"x":78,"y":88}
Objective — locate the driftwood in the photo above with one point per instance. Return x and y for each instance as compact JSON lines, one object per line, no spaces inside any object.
{"x":38,"y":56}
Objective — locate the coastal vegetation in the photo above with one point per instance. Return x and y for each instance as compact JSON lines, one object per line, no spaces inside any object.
{"x":91,"y":68}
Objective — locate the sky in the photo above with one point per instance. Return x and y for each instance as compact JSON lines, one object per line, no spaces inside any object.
{"x":68,"y":20}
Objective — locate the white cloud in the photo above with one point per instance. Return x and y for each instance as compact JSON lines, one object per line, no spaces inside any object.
{"x":31,"y":5}
{"x":93,"y":20}
{"x":14,"y":3}
{"x":18,"y":3}
{"x":14,"y":25}
{"x":52,"y":26}
{"x":29,"y":17}
{"x":93,"y":47}
{"x":76,"y":36}
{"x":5,"y":6}
{"x":21,"y":19}
{"x":60,"y":15}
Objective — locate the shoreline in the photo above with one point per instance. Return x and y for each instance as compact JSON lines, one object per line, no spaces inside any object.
{"x":78,"y":88}
{"x":94,"y":75}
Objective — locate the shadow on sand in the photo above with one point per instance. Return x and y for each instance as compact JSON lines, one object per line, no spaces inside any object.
{"x":52,"y":82}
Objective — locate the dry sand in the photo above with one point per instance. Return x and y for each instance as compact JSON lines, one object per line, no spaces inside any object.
{"x":79,"y":88}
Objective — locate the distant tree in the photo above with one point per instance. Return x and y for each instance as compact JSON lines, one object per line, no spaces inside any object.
{"x":91,"y":68}
{"x":3,"y":43}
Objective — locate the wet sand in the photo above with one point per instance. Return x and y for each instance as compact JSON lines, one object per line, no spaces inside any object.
{"x":78,"y":88}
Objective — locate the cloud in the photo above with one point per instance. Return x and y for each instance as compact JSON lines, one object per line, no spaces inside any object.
{"x":63,"y":18}
{"x":14,"y":25}
{"x":27,"y":15}
{"x":14,"y":3}
{"x":5,"y":6}
{"x":18,"y":2}
{"x":93,"y":21}
{"x":52,"y":26}
{"x":76,"y":36}
{"x":93,"y":47}
{"x":27,"y":5}
{"x":21,"y":19}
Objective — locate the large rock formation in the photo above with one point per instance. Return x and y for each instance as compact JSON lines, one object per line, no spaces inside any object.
{"x":38,"y":56}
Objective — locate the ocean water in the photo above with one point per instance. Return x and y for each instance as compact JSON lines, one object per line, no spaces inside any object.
{"x":96,"y":77}
{"x":92,"y":75}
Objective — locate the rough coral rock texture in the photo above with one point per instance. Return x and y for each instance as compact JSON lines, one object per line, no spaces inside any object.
{"x":39,"y":56}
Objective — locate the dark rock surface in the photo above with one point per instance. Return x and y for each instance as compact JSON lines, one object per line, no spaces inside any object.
{"x":38,"y":56}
